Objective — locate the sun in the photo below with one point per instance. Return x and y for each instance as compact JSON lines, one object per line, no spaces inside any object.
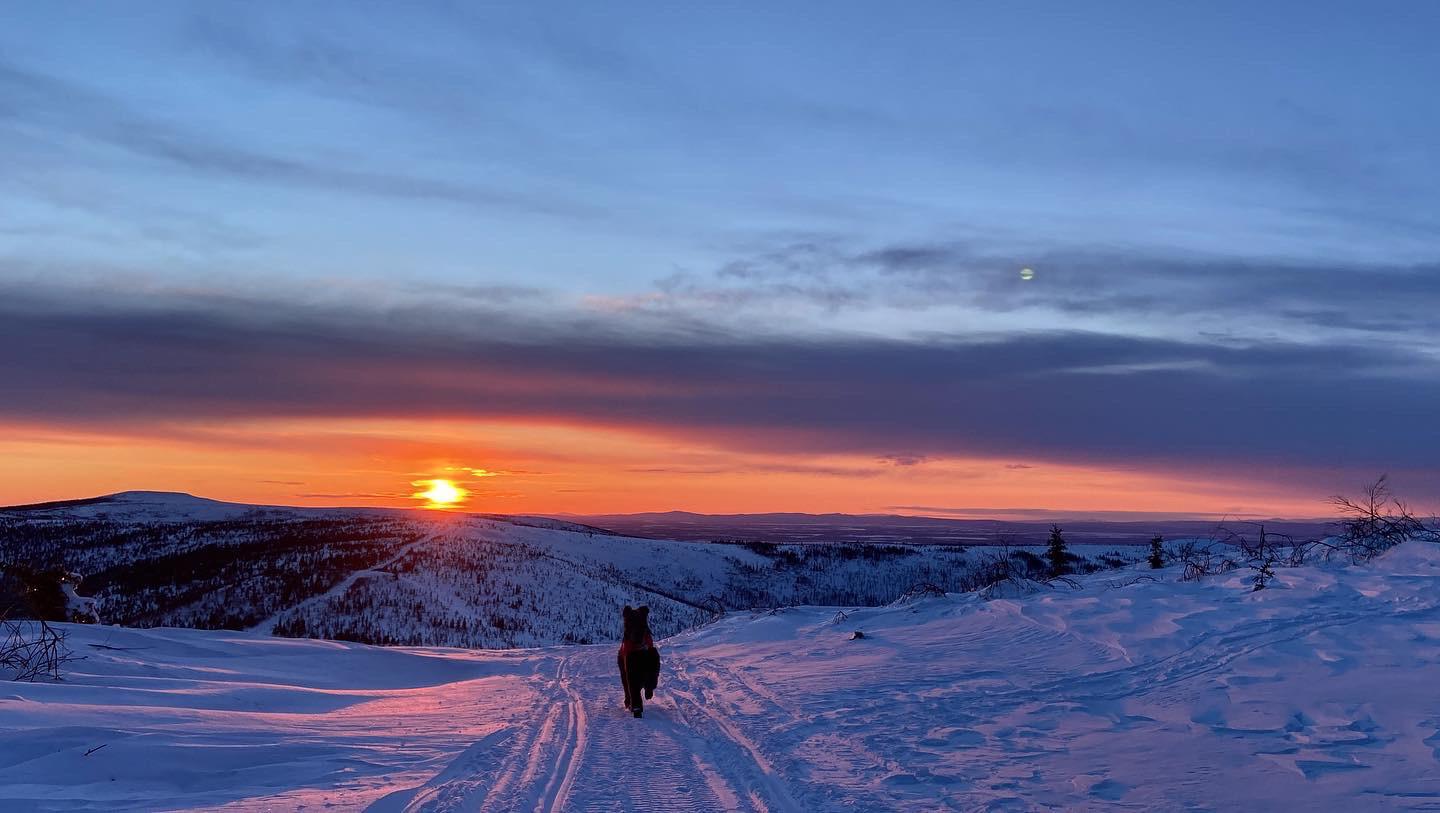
{"x":440,"y":494}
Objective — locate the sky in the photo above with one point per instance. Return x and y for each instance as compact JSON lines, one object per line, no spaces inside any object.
{"x":941,"y":258}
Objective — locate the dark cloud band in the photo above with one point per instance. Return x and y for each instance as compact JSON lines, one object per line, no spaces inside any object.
{"x":1048,"y":395}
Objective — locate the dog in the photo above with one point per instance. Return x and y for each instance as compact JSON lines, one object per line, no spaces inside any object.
{"x":639,"y":660}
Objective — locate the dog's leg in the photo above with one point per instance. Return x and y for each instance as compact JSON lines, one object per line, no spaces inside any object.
{"x":634,"y":669}
{"x":624,"y":679}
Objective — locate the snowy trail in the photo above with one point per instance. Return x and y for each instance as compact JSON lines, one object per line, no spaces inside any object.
{"x":267,"y":627}
{"x":586,"y":752}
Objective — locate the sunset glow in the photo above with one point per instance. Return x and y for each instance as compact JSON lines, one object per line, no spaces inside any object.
{"x":440,"y":493}
{"x":536,"y":468}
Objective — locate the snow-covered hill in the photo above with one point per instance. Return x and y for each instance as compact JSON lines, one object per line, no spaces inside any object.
{"x":1125,"y":693}
{"x":171,"y":506}
{"x":436,"y":579}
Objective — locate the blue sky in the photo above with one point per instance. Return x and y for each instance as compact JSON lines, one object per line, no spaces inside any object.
{"x":451,"y":143}
{"x":1186,"y":180}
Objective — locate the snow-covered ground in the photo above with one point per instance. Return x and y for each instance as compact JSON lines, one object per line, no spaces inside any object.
{"x":1316,"y":694}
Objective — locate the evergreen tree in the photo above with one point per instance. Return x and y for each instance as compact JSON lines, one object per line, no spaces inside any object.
{"x":1157,"y":553}
{"x":43,"y":592}
{"x":1056,"y":553}
{"x":1263,"y":573}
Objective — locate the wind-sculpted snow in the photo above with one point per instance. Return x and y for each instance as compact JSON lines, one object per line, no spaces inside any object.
{"x":1131,"y":690}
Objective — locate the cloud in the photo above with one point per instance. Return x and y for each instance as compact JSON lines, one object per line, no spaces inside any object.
{"x":65,"y":111}
{"x":755,"y":467}
{"x":356,"y":495}
{"x":1144,"y":289}
{"x":354,"y":60}
{"x":905,"y":459}
{"x":1059,"y":395}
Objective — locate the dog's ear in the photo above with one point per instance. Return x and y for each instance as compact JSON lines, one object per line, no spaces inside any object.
{"x":645,"y":612}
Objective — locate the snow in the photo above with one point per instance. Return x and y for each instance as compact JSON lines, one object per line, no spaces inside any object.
{"x":187,"y":718}
{"x":267,"y":626}
{"x":172,"y":506}
{"x":79,"y":606}
{"x":1131,"y":691}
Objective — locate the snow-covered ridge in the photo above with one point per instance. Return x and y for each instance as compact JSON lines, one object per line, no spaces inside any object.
{"x":1126,"y":693}
{"x":171,"y":506}
{"x":178,"y":506}
{"x":395,"y":576}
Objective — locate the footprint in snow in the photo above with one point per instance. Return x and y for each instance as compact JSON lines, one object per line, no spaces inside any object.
{"x":952,"y":738}
{"x":1101,"y":787}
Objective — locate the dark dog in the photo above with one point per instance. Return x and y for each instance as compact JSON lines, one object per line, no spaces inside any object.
{"x":639,"y":660}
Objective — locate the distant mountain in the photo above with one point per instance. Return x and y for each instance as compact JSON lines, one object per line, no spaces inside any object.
{"x":795,"y":528}
{"x":169,"y":506}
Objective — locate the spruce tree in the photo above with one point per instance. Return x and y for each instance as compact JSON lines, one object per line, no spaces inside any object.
{"x":1157,"y":553}
{"x":1263,"y":573}
{"x":1056,"y":554}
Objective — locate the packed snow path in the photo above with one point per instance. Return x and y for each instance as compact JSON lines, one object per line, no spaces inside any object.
{"x":587,"y":752}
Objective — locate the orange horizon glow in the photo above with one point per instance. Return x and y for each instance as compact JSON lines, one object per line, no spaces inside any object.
{"x":440,"y":493}
{"x":550,"y":468}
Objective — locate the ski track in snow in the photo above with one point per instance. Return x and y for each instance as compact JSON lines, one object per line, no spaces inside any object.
{"x":591,"y":754}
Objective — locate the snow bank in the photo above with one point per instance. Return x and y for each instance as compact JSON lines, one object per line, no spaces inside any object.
{"x":166,"y":718}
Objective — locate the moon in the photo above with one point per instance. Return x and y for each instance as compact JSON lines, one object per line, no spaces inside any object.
{"x":1027,"y":273}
